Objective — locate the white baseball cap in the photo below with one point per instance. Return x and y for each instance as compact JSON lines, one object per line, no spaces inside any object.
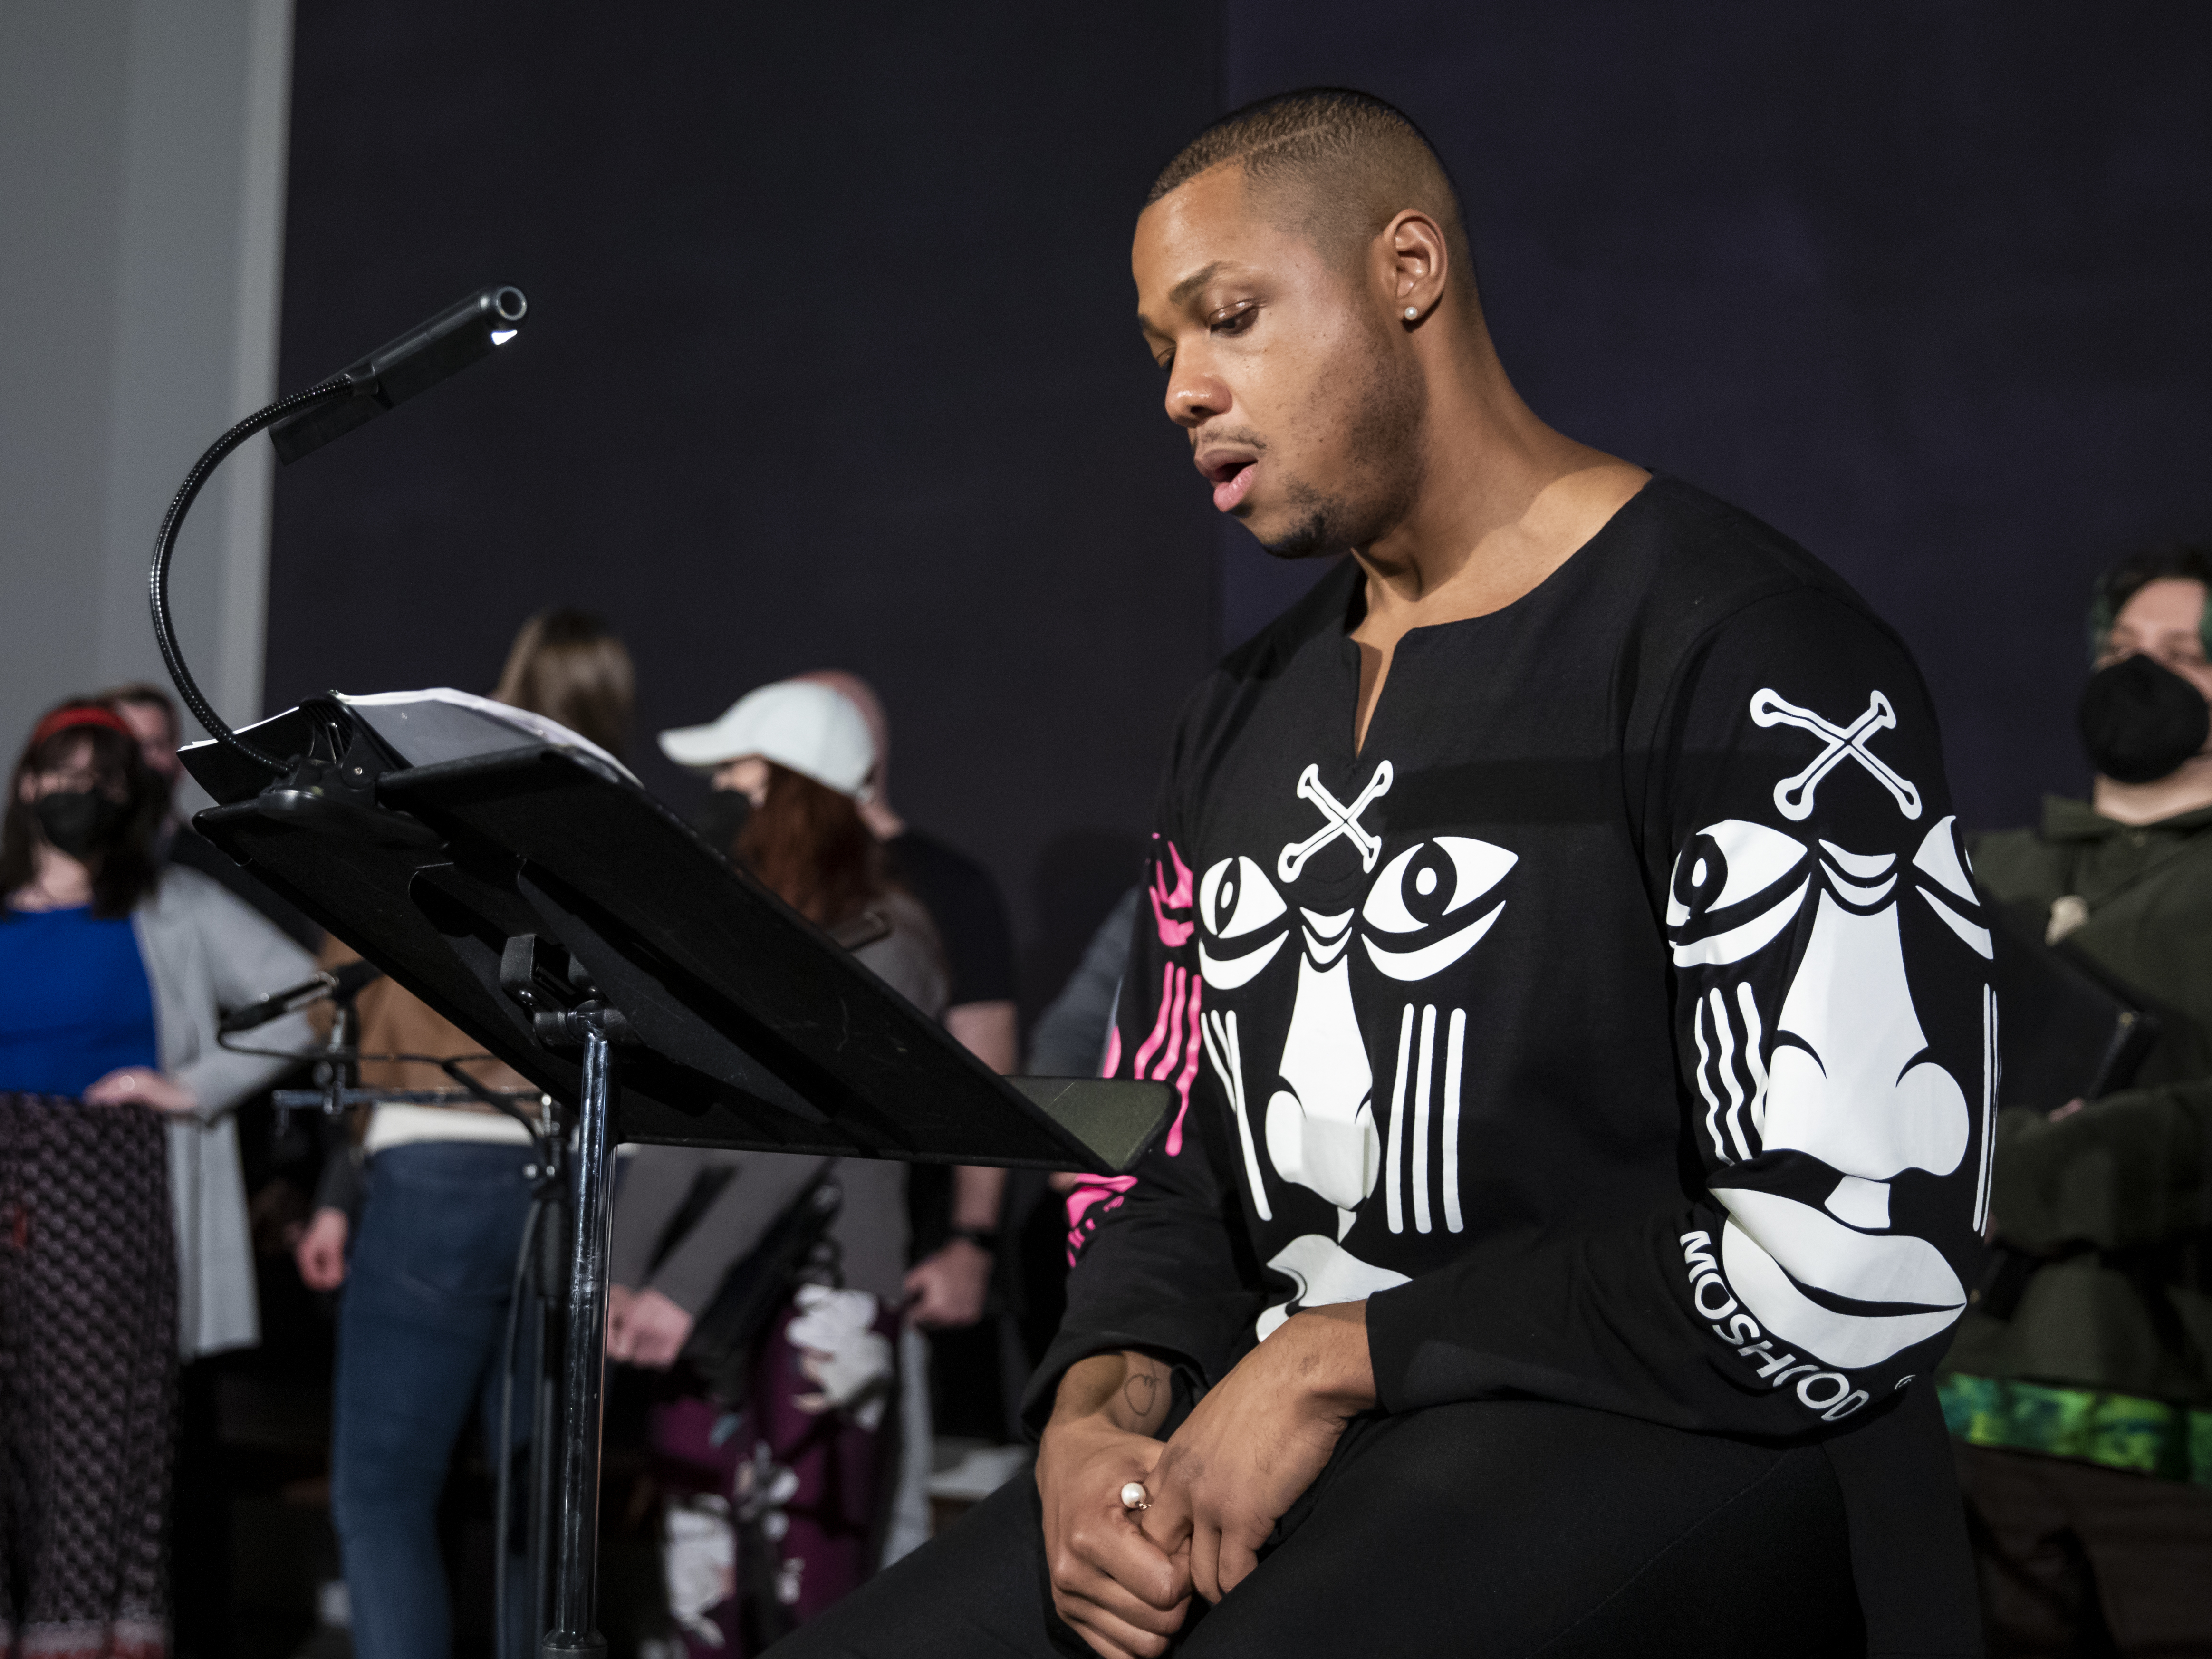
{"x":795,"y":723}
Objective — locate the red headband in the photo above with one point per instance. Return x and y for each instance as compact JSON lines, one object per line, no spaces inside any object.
{"x":80,"y":714}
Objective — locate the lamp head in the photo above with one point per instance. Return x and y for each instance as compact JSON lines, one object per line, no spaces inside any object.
{"x":397,"y":370}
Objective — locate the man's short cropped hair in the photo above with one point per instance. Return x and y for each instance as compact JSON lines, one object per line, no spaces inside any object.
{"x":1344,"y":163}
{"x":1341,"y":162}
{"x":2163,"y":561}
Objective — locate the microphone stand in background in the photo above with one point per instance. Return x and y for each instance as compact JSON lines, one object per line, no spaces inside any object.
{"x":339,"y":1072}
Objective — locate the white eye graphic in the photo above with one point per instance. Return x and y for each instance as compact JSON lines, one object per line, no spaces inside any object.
{"x":1421,"y":887}
{"x":1453,"y":873}
{"x":1236,"y":898}
{"x":1727,"y":863}
{"x":1940,"y":857}
{"x":1725,"y":866}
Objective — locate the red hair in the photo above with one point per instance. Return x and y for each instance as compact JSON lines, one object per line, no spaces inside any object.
{"x":808,"y":845}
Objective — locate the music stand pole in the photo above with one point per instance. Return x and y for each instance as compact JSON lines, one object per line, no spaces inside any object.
{"x":584,"y":1359}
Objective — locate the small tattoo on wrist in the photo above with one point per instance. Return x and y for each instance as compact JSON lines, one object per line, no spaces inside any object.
{"x":1140,"y":1391}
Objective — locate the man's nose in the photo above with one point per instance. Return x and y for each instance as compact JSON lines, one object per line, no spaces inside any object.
{"x":1194,"y":399}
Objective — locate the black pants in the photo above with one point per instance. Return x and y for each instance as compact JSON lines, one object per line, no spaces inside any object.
{"x":2080,"y":1562}
{"x":1495,"y":1529}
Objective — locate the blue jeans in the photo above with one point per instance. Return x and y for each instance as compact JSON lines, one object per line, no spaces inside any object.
{"x":421,"y":1329}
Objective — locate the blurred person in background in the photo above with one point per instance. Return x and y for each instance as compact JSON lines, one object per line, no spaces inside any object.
{"x":200,"y":1556}
{"x":421,"y":1222}
{"x":957,"y":1220}
{"x":951,"y":1281}
{"x":779,"y":1504}
{"x":124,"y":1234}
{"x":151,"y":715}
{"x":2080,"y":1398}
{"x":570,"y":666}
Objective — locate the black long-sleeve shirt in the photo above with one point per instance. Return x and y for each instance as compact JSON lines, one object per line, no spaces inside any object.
{"x":1615,"y":1021}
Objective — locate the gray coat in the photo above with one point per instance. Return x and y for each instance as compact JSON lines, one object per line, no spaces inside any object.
{"x":205,"y":953}
{"x":870,"y":1227}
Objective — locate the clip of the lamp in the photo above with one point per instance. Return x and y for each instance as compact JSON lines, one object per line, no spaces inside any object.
{"x":395,"y":371}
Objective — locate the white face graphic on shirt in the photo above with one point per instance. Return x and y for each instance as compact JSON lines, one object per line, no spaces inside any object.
{"x":1840,"y":1070}
{"x":1427,"y":906}
{"x":1837,"y":1071}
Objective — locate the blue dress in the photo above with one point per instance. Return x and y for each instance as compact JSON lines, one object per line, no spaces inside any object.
{"x":75,"y":1001}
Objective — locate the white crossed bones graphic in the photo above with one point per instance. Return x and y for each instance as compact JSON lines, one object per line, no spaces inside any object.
{"x":1793,"y":797}
{"x":1342,"y":821}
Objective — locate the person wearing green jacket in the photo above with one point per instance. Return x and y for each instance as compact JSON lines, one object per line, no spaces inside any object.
{"x":2082,"y":1411}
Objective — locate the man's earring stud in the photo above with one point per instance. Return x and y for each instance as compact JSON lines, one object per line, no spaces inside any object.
{"x":1412,"y":313}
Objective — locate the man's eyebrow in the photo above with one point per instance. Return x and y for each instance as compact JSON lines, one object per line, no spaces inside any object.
{"x":1182,"y":291}
{"x":1191,"y":284}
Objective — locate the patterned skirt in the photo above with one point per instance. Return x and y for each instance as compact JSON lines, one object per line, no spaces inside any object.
{"x":88,"y":1379}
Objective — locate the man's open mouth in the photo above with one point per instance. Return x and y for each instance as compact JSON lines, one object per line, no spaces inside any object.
{"x":1230,"y":472}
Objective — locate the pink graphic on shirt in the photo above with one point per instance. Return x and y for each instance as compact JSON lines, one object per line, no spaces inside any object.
{"x":1175,"y":1040}
{"x":1170,"y":978}
{"x":1184,"y":983}
{"x":1169,"y":1053}
{"x":1173,"y":934}
{"x":1103,"y":1192}
{"x":1191,"y":1050}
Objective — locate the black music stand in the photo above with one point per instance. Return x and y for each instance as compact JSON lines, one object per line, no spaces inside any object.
{"x":552,"y":909}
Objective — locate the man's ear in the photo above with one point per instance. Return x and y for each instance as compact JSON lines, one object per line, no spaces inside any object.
{"x":1418,"y":264}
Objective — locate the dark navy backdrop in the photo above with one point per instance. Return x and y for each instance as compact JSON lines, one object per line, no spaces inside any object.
{"x":831,"y":358}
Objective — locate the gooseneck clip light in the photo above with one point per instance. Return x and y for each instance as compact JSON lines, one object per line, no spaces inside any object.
{"x":304,"y":422}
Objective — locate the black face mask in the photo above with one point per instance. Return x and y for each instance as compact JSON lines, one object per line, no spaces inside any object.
{"x":2140,"y":720}
{"x":721,"y":820}
{"x":80,"y":823}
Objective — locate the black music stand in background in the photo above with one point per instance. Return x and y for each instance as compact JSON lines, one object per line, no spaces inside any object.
{"x":536,"y":895}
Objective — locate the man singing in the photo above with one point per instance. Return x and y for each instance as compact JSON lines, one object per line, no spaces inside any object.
{"x":1559,"y":940}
